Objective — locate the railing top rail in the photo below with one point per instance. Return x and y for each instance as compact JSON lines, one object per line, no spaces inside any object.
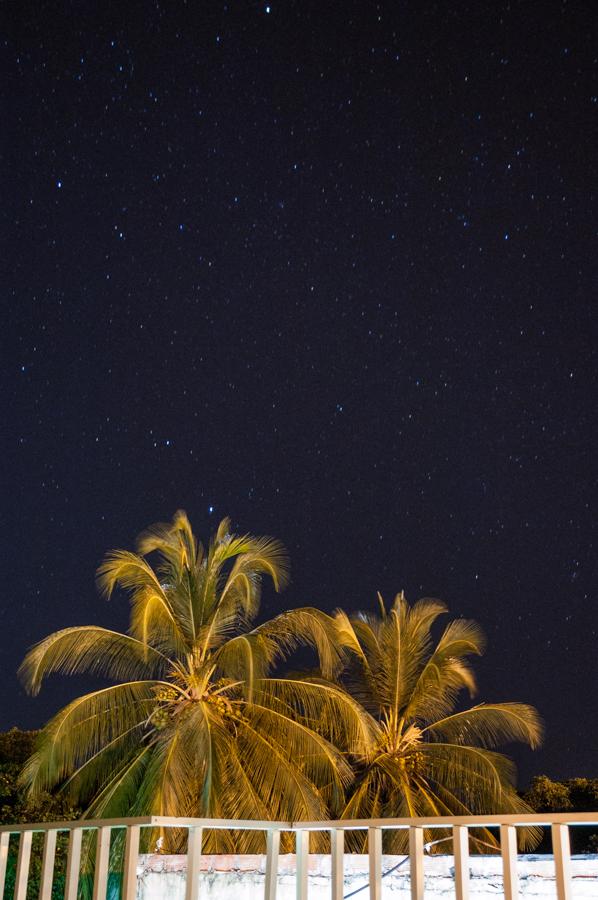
{"x":77,"y":823}
{"x":152,"y":821}
{"x":485,"y":821}
{"x":546,"y":819}
{"x":239,"y":824}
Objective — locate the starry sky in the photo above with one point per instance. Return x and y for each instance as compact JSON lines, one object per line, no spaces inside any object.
{"x":329,"y":269}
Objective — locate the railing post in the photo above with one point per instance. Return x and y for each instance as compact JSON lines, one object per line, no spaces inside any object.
{"x":337,"y":868}
{"x":47,"y":879}
{"x":72,"y":864}
{"x":416,"y":862}
{"x":23,"y":865}
{"x":508,"y":851}
{"x":375,"y":862}
{"x":461,"y":856}
{"x":100,"y":875}
{"x":194,"y":842}
{"x":562,"y":861}
{"x":272,"y":848}
{"x":4,"y":841}
{"x":302,"y":860}
{"x":130,"y":867}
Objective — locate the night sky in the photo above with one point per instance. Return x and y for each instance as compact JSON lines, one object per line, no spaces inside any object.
{"x":327,"y":268}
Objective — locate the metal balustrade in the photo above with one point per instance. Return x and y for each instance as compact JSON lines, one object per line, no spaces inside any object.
{"x":559,"y":823}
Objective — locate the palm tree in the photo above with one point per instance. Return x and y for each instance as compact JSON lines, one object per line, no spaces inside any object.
{"x":196,"y":724}
{"x":425,"y":757}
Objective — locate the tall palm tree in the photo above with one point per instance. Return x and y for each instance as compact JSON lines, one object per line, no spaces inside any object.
{"x":197,"y":724}
{"x":426,"y":757}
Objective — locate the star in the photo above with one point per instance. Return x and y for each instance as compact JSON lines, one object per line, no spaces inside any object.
{"x":230,"y":262}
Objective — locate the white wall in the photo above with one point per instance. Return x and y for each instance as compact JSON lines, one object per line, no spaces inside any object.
{"x":242,"y":877}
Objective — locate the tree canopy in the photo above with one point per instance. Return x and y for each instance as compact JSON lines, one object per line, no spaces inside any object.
{"x":427,"y":757}
{"x":196,"y":723}
{"x":200,"y":720}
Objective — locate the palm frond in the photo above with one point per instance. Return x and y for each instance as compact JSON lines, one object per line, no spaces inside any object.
{"x":120,"y":792}
{"x":347,"y":636}
{"x":454,"y":803}
{"x":306,"y":626}
{"x":183,"y":761}
{"x":176,"y":538}
{"x":446,"y":671}
{"x":317,"y":758}
{"x":266,"y":554}
{"x":490,"y":724}
{"x":89,"y":777}
{"x":255,"y":556}
{"x":325,"y":708}
{"x":397,"y":664}
{"x":462,"y":637}
{"x":129,"y":570}
{"x":240,"y":797}
{"x":479,"y":777}
{"x":85,"y":726}
{"x":529,"y":837}
{"x":447,"y":803}
{"x":246,"y":658}
{"x":149,"y":592}
{"x":365,"y":801}
{"x":156,"y":622}
{"x":89,"y":648}
{"x":235,"y":597}
{"x":278,"y":778}
{"x":421,"y":617}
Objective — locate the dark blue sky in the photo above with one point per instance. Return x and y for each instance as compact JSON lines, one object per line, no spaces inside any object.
{"x":330,"y":270}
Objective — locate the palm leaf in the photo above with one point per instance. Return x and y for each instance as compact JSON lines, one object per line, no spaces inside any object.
{"x":446,"y":672}
{"x":85,"y":726}
{"x":279,"y":779}
{"x":307,"y":626}
{"x":120,"y":793}
{"x":490,"y":724}
{"x":324,"y":707}
{"x":89,"y":648}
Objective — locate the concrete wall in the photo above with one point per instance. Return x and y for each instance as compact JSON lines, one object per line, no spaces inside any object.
{"x":162,"y":877}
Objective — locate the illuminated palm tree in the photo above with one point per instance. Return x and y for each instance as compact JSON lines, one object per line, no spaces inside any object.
{"x":425,"y":757}
{"x":196,"y":724}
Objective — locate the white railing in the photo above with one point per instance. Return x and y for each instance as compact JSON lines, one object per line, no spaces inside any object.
{"x":559,"y":823}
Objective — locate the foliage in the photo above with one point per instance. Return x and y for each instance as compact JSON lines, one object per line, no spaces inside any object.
{"x":425,"y":758}
{"x":196,"y":723}
{"x":546,"y":796}
{"x":15,"y":747}
{"x":583,"y":794}
{"x":572,"y":795}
